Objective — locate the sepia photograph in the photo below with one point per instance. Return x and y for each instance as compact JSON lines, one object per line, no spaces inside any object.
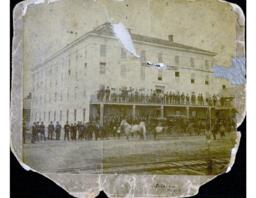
{"x":132,"y":88}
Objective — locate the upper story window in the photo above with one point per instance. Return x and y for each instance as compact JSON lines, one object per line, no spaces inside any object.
{"x":177,"y":74}
{"x":67,"y":94}
{"x":123,"y":53}
{"x":55,"y":96}
{"x":85,"y":53}
{"x":177,"y":60}
{"x":74,"y":114}
{"x":206,"y":82}
{"x":123,"y":70}
{"x":85,"y":69}
{"x":61,"y":96}
{"x":103,"y":50}
{"x":160,"y":58}
{"x":69,"y":63}
{"x":60,"y":115}
{"x":102,"y":68}
{"x":84,"y":93}
{"x":160,"y":74}
{"x":206,"y":64}
{"x":77,"y":56}
{"x":143,"y":57}
{"x":192,"y":62}
{"x":75,"y":93}
{"x":192,"y":80}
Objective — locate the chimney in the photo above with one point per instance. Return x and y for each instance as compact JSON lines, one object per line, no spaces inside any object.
{"x":170,"y":38}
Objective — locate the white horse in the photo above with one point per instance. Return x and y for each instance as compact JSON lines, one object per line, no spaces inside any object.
{"x":132,"y":130}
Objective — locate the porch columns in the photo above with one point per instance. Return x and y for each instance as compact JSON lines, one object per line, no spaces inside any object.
{"x":133,"y":111}
{"x":210,"y":117}
{"x":187,"y":108}
{"x":162,"y":111}
{"x":101,"y":114}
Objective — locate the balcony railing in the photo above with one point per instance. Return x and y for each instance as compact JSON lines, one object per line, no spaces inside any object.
{"x":156,"y":100}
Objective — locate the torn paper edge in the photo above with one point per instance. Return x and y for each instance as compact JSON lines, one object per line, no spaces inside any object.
{"x":17,"y":91}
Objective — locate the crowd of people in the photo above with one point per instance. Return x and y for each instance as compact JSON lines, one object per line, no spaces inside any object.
{"x":130,"y":95}
{"x":92,"y":130}
{"x":71,"y":131}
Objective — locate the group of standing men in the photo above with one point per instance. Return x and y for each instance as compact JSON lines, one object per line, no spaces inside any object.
{"x":72,"y":131}
{"x":38,"y":131}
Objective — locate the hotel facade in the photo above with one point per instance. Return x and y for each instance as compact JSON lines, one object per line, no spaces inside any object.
{"x":65,"y":85}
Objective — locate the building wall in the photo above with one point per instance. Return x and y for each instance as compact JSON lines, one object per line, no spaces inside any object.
{"x":65,"y":84}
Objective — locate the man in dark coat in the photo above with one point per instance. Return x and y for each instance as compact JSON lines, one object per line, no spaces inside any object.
{"x":42,"y":131}
{"x":50,"y":131}
{"x":57,"y":130}
{"x":81,"y":131}
{"x":33,"y":139}
{"x":75,"y":130}
{"x":72,"y":131}
{"x":66,"y":131}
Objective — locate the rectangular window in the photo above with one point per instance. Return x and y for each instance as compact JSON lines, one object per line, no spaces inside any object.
{"x":69,"y":64}
{"x":85,"y":69}
{"x":84,"y":93}
{"x":76,"y":55}
{"x":85,"y":53}
{"x":192,"y":78}
{"x":123,"y":53}
{"x":177,"y":60}
{"x":61,"y":96}
{"x":123,"y":71}
{"x":160,"y":74}
{"x":192,"y":62}
{"x":84,"y":110}
{"x":67,"y":115}
{"x":177,"y":74}
{"x":143,"y":63}
{"x":54,"y":118}
{"x":102,"y":68}
{"x":160,"y":58}
{"x":206,"y":64}
{"x":75,"y":93}
{"x":60,"y":115}
{"x":143,"y":57}
{"x":74,"y":114}
{"x":49,"y":116}
{"x":67,"y":94}
{"x":103,"y":50}
{"x":206,"y":80}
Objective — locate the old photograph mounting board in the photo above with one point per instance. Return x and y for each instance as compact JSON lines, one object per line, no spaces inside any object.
{"x":137,"y":98}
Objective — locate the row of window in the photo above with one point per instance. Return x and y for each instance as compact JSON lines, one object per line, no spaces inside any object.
{"x":56,"y":97}
{"x":62,"y":116}
{"x":103,"y":52}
